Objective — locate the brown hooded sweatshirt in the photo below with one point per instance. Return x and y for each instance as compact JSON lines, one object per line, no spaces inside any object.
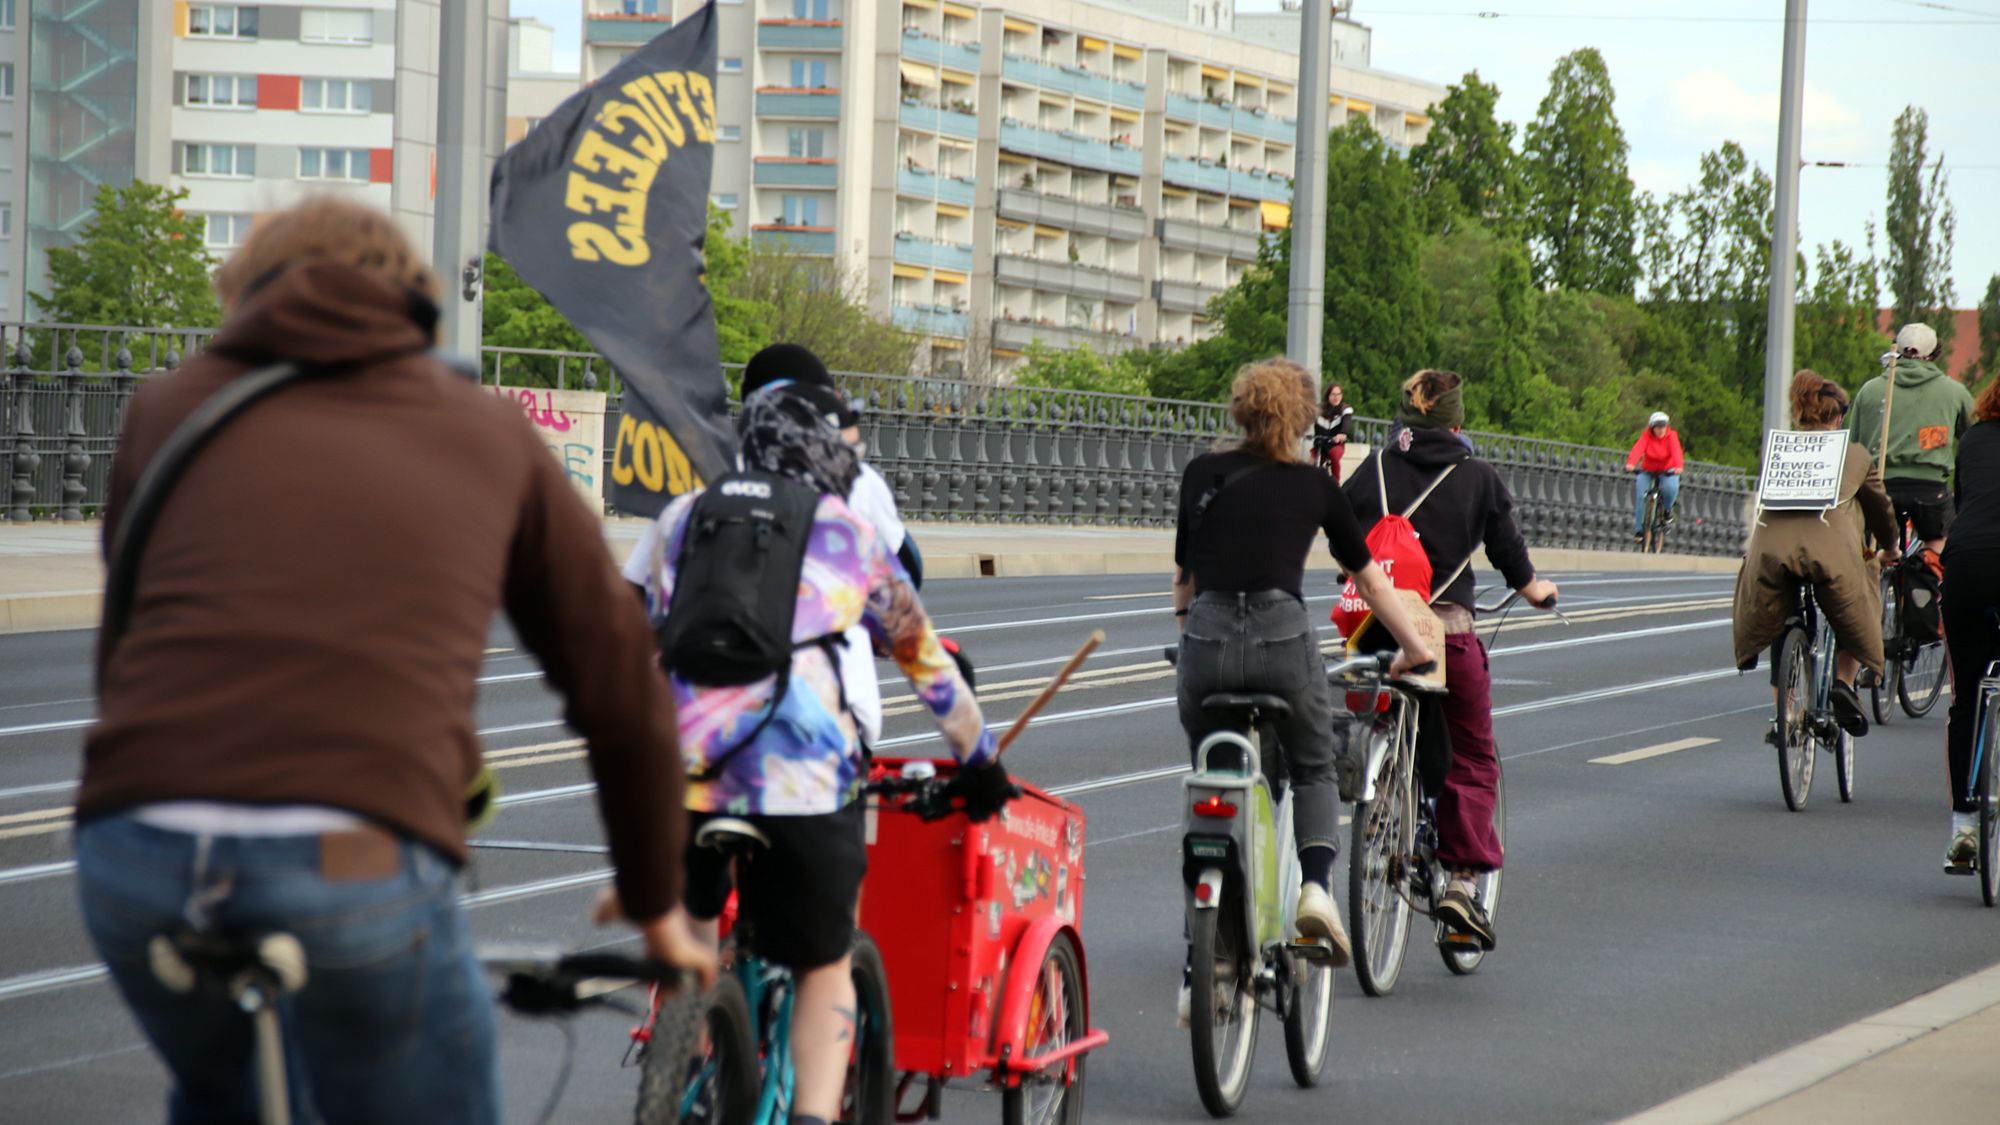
{"x":312,"y":610}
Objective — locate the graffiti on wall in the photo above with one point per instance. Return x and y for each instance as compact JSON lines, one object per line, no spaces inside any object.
{"x":571,"y":425}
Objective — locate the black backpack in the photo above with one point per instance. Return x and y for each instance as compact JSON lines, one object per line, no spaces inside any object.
{"x":1923,"y":620}
{"x":736,"y":589}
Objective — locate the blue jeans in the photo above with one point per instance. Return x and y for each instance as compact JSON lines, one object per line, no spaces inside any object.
{"x":1642,"y":483}
{"x":395,"y":1022}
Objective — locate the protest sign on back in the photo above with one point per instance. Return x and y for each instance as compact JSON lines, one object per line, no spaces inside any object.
{"x":1802,"y":469}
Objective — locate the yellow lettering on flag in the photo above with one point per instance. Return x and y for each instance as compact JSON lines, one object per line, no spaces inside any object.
{"x":611,"y":177}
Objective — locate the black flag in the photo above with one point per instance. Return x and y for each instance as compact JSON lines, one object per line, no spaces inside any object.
{"x":603,"y":208}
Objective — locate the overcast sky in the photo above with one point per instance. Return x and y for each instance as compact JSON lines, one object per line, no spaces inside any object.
{"x":1693,"y":74}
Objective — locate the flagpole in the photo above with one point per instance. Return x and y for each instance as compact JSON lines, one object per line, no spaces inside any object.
{"x":458,"y":224}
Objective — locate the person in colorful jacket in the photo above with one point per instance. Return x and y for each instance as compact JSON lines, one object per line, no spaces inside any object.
{"x":799,"y":779}
{"x":1928,"y":414}
{"x":1655,"y":459}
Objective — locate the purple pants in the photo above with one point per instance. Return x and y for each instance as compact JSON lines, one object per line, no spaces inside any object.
{"x":1465,"y":809}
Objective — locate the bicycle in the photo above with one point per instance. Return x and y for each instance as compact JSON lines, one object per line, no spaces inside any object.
{"x":1241,"y":874}
{"x":745,"y":1073}
{"x":1805,"y":721}
{"x":1653,"y":525}
{"x":1913,"y":672}
{"x":1985,"y":781}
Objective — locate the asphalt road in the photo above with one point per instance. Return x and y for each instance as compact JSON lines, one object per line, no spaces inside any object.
{"x":1666,"y":921}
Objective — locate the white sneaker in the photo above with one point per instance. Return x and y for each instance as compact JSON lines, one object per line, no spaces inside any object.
{"x":1184,"y":1006}
{"x":1318,"y":920}
{"x":1964,"y":847}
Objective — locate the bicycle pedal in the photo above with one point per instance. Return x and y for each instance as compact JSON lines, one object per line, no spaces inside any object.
{"x":1309,"y":950}
{"x":1459,"y":941}
{"x":1965,"y":868}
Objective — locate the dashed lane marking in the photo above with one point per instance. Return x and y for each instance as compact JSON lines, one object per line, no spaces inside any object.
{"x":1643,"y":753}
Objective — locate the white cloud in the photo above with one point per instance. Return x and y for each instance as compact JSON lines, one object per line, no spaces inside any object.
{"x":1709,"y":102}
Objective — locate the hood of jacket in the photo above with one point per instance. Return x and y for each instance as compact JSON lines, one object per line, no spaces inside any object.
{"x":1430,"y":448}
{"x":322,"y":313}
{"x":1917,"y":372}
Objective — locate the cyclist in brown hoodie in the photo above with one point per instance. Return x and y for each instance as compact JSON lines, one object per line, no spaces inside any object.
{"x":286,"y":734}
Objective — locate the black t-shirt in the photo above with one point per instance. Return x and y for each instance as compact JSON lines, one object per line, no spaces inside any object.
{"x":1977,"y":488}
{"x":1258,"y":531}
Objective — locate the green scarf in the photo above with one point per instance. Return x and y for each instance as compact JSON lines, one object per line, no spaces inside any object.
{"x":1447,"y":413}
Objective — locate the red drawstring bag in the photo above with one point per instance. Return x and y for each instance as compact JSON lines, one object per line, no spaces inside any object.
{"x":1395,"y":546}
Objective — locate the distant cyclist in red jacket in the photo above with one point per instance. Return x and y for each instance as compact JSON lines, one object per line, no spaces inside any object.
{"x":1656,"y":458}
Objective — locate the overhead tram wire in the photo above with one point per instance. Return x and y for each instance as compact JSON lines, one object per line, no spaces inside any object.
{"x":1636,"y":17}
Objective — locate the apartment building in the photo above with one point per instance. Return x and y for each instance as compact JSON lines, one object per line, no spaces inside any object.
{"x":13,"y":153}
{"x":249,"y":107}
{"x":1063,"y":171}
{"x":534,"y":86}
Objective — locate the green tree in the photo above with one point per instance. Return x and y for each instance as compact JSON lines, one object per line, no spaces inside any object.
{"x":809,"y":301}
{"x":1467,"y":166}
{"x":1581,"y":209}
{"x":1486,"y":324}
{"x":1918,"y":228}
{"x":1081,"y":369}
{"x":139,"y":260}
{"x":1707,"y":258}
{"x":1837,"y":332}
{"x":1989,"y":329}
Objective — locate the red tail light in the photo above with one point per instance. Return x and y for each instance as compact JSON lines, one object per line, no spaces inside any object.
{"x":1362,"y":702}
{"x":1202,"y":893}
{"x":1214,"y":807}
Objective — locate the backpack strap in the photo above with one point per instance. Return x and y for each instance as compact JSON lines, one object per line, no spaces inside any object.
{"x":1426,"y":494}
{"x":1437,"y":588}
{"x":1208,"y":496}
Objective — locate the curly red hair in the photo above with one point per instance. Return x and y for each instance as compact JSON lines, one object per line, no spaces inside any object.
{"x":1273,"y":404}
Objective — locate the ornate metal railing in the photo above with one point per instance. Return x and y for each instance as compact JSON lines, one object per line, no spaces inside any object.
{"x":952,"y":451}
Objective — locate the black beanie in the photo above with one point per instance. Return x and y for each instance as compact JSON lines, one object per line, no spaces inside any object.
{"x":784,"y":361}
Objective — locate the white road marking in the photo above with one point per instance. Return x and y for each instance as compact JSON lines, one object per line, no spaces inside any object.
{"x":1126,"y":597}
{"x":1643,"y":753}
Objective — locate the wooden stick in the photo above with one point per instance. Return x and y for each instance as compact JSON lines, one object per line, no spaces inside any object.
{"x":1055,"y":685}
{"x":1888,"y":400}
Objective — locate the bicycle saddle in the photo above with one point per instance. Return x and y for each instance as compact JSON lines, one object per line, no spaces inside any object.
{"x":182,"y":958}
{"x":1264,"y":706}
{"x":726,"y":832}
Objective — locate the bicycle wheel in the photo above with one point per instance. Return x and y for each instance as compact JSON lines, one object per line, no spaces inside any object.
{"x":1882,"y":688}
{"x":1795,"y":736}
{"x":1384,"y":834}
{"x":1988,"y":788}
{"x":870,"y":1096}
{"x":1222,"y":1010}
{"x":1055,"y":1020}
{"x":701,"y":1064}
{"x":1648,"y":526}
{"x":1922,"y":682}
{"x":1309,"y":1023}
{"x":1843,"y":765}
{"x":1465,"y":962}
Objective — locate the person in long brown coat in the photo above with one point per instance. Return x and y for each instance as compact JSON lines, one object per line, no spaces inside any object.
{"x":1828,"y":549}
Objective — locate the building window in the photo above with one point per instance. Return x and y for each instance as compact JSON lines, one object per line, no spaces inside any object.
{"x":222,"y":91}
{"x":642,"y":7}
{"x":728,"y":202}
{"x":6,"y":82}
{"x":801,"y":210}
{"x":230,"y":161}
{"x":729,"y":132}
{"x":336,"y":95}
{"x":808,"y":75}
{"x":731,"y":66}
{"x":336,"y":25}
{"x":6,"y":14}
{"x":225,"y":231}
{"x":6,"y":220}
{"x":349,"y":164}
{"x":804,"y":142}
{"x":222,"y":21}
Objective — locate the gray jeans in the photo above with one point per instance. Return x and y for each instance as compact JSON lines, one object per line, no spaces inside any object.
{"x":1265,"y":643}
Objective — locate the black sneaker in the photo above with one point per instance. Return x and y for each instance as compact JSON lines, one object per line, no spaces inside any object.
{"x":1847,"y":709}
{"x":1462,"y":915}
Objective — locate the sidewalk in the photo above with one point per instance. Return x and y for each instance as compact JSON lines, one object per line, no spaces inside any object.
{"x":1930,"y":1059}
{"x":51,"y":576}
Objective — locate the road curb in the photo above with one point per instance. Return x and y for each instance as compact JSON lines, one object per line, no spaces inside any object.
{"x":51,"y":612}
{"x":1798,"y":1068}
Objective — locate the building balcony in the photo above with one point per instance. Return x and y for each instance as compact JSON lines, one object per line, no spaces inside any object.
{"x":1073,"y":80}
{"x":817,"y":241}
{"x":1249,"y":122}
{"x":1186,"y":234}
{"x":623,"y":31}
{"x":924,"y":184}
{"x":932,"y":119}
{"x":799,"y":35}
{"x":1187,"y":172}
{"x":1073,"y":278}
{"x":1016,"y":335}
{"x":796,"y":171}
{"x":1258,"y":185}
{"x":1184,"y":296}
{"x":914,"y":250}
{"x":816,"y":104}
{"x":918,"y":47}
{"x":1086,"y":218}
{"x":930,"y":320}
{"x":1069,"y":148}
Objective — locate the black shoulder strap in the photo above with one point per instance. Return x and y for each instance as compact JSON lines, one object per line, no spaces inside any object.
{"x":1222,"y":482}
{"x":135,"y":524}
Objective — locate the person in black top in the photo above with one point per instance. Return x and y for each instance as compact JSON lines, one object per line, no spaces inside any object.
{"x":1239,"y":591}
{"x":1469,"y":508}
{"x":1970,"y":602}
{"x":1330,"y":430}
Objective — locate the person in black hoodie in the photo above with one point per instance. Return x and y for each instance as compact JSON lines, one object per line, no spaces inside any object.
{"x":1330,"y":429}
{"x":1970,"y":602}
{"x":1469,"y":508}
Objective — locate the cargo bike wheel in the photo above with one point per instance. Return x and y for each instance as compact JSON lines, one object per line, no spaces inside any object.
{"x":1055,"y":1020}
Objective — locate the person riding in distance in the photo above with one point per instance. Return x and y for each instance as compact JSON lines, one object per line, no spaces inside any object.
{"x":1926,"y":416}
{"x":1330,"y":430}
{"x":1239,"y":591}
{"x":798,"y":776}
{"x":1971,"y":606}
{"x":1827,"y":549}
{"x":1468,"y":508}
{"x":1655,"y":460}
